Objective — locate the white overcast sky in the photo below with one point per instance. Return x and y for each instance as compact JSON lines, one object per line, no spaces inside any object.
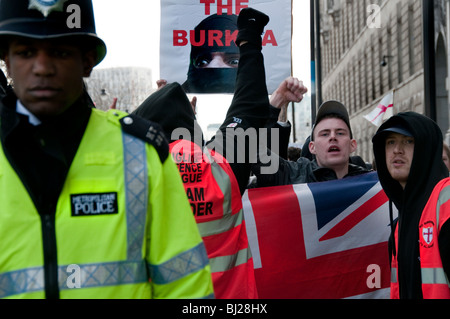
{"x":130,"y":30}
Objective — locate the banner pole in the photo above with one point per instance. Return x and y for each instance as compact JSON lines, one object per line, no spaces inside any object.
{"x":294,"y":135}
{"x":429,"y":58}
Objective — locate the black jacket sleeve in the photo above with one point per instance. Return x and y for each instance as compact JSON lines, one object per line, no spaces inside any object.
{"x":248,"y":112}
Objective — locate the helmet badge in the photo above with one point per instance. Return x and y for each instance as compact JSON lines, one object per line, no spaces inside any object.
{"x":46,"y":6}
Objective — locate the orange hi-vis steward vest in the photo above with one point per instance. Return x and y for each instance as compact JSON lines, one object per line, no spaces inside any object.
{"x":435,"y":284}
{"x":216,"y":203}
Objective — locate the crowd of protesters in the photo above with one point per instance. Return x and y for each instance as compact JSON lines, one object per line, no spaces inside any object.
{"x":76,"y":179}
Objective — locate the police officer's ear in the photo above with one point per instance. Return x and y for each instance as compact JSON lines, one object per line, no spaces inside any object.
{"x":89,"y":59}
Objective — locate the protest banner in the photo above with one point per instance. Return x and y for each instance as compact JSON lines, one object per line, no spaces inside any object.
{"x":180,"y":18}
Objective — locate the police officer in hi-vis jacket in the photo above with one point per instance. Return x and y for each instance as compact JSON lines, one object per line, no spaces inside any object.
{"x":91,"y":203}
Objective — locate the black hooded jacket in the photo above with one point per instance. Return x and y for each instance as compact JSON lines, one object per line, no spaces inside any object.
{"x":427,"y":169}
{"x":171,"y":109}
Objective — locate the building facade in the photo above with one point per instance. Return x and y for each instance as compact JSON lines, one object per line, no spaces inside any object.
{"x":371,"y":47}
{"x":129,"y":85}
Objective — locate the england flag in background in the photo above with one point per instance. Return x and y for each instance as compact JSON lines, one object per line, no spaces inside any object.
{"x":384,"y":110}
{"x":321,"y":240}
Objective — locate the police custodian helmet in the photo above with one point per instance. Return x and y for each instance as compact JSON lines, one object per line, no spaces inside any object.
{"x":44,"y":19}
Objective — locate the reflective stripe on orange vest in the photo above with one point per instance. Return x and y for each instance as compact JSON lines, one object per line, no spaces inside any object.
{"x":216,"y":202}
{"x":435,"y":283}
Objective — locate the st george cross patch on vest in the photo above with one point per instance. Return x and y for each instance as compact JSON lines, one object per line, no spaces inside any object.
{"x":94,"y":204}
{"x":427,"y":234}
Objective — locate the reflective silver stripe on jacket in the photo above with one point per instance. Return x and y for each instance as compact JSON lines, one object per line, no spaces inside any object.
{"x":222,"y":225}
{"x":437,"y":275}
{"x":224,"y":263}
{"x":444,"y":196}
{"x":102,"y":274}
{"x":21,"y":281}
{"x":79,"y":276}
{"x":223,"y":180}
{"x":180,"y":266}
{"x":227,"y":222}
{"x":394,"y":275}
{"x":434,"y":276}
{"x":136,"y":184}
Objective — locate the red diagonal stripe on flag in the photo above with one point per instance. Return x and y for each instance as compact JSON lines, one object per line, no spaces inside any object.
{"x":279,"y":206}
{"x":356,"y":217}
{"x":383,"y":110}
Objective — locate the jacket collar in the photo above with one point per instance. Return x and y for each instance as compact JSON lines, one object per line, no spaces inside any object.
{"x":326,"y":174}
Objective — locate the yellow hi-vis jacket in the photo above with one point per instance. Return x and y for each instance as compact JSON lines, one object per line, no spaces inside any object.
{"x":123,"y":225}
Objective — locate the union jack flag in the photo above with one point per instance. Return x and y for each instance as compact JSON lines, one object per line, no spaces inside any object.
{"x":320,"y":240}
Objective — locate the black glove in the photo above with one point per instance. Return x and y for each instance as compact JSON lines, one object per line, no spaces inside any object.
{"x":251,"y":25}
